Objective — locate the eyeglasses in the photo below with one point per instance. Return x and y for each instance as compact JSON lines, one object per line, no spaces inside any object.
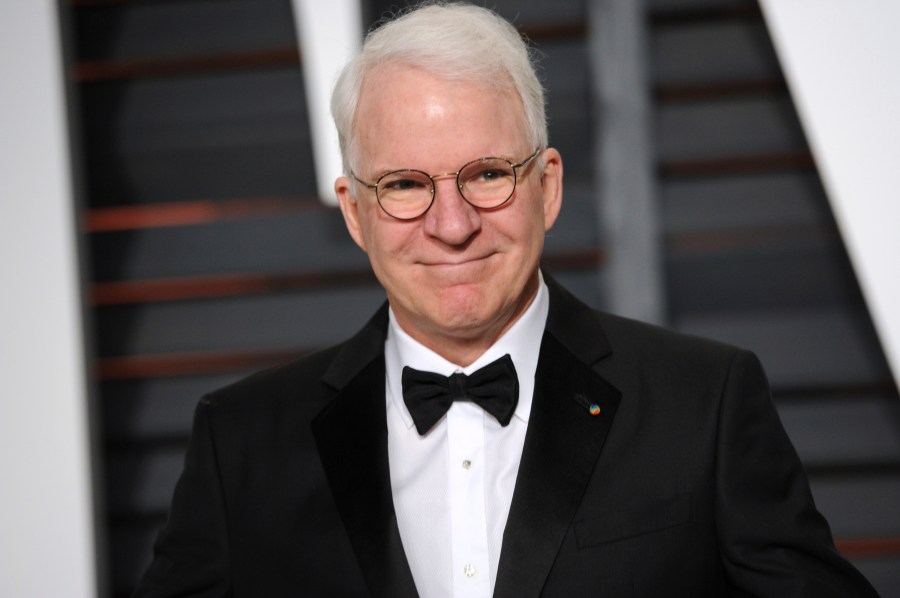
{"x":485,"y":183}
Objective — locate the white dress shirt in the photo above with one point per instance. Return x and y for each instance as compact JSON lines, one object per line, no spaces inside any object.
{"x":453,"y":487}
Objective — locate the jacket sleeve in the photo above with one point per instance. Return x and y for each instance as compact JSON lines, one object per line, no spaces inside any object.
{"x":190,"y":556}
{"x":773,"y":540}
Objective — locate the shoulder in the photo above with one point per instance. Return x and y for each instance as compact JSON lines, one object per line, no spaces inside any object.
{"x":627,"y":335}
{"x":294,"y":389}
{"x":304,"y":385}
{"x":637,"y":357}
{"x":676,"y":354}
{"x":680,"y":369}
{"x":595,"y":335}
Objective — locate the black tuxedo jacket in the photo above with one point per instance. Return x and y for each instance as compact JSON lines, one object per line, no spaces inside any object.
{"x":684,"y":484}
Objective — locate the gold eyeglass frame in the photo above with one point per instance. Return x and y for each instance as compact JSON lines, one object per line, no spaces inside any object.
{"x":515,"y":168}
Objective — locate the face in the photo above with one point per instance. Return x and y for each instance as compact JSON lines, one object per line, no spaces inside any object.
{"x":456,"y":277}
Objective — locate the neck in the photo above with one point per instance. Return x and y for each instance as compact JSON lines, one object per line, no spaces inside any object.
{"x":462,"y":352}
{"x":463,"y":347}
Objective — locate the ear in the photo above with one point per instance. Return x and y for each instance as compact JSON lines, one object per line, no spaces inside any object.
{"x":551,"y":185}
{"x":350,"y":209}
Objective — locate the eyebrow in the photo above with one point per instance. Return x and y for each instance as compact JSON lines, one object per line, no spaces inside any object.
{"x":507,"y":157}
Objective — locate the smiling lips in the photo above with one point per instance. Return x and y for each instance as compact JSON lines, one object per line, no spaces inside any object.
{"x":449,"y":264}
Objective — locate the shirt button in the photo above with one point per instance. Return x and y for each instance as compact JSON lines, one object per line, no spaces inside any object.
{"x":469,"y":570}
{"x":467,"y":464}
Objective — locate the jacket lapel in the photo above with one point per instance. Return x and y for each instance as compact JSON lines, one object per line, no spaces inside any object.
{"x":571,"y":414}
{"x":351,"y":435}
{"x":562,"y":446}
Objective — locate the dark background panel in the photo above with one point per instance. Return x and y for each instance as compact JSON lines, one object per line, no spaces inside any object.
{"x":174,"y":29}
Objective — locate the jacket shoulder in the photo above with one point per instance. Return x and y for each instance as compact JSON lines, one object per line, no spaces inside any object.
{"x":293,"y":386}
{"x":307,"y":383}
{"x":595,"y":335}
{"x":625,"y":333}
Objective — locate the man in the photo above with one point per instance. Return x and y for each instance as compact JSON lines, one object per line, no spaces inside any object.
{"x":485,"y":434}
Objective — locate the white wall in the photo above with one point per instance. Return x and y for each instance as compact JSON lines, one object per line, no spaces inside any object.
{"x":46,"y":528}
{"x":330,"y":33}
{"x":842,"y":62}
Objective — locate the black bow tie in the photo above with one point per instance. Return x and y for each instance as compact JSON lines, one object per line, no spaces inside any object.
{"x":428,"y":396}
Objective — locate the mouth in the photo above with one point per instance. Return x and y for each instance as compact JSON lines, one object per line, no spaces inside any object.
{"x":455,"y":263}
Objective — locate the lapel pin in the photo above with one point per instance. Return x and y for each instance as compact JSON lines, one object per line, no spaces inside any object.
{"x":593,"y":408}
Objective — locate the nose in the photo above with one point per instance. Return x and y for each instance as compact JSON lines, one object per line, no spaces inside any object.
{"x":451,"y":218}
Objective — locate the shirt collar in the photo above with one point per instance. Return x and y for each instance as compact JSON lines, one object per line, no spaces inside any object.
{"x":522,"y":342}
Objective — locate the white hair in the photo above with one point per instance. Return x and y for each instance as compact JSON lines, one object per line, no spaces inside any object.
{"x":451,"y":40}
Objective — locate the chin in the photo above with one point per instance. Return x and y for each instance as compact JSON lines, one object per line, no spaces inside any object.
{"x":463,"y":301}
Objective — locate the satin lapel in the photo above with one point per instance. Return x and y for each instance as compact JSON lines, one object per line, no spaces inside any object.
{"x":351,"y":434}
{"x":562,"y":445}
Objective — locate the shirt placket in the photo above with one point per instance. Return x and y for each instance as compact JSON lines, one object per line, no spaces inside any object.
{"x":468,"y":529}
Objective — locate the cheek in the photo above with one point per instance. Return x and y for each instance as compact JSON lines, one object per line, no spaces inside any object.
{"x":373,"y":231}
{"x":385,"y":244}
{"x":530,"y":226}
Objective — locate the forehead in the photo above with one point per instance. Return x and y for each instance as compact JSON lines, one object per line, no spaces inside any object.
{"x":407,"y":115}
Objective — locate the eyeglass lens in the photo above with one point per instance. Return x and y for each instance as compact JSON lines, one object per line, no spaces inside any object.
{"x":485,"y":183}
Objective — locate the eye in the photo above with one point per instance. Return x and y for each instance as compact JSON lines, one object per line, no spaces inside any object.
{"x":399,"y":182}
{"x":488,"y":175}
